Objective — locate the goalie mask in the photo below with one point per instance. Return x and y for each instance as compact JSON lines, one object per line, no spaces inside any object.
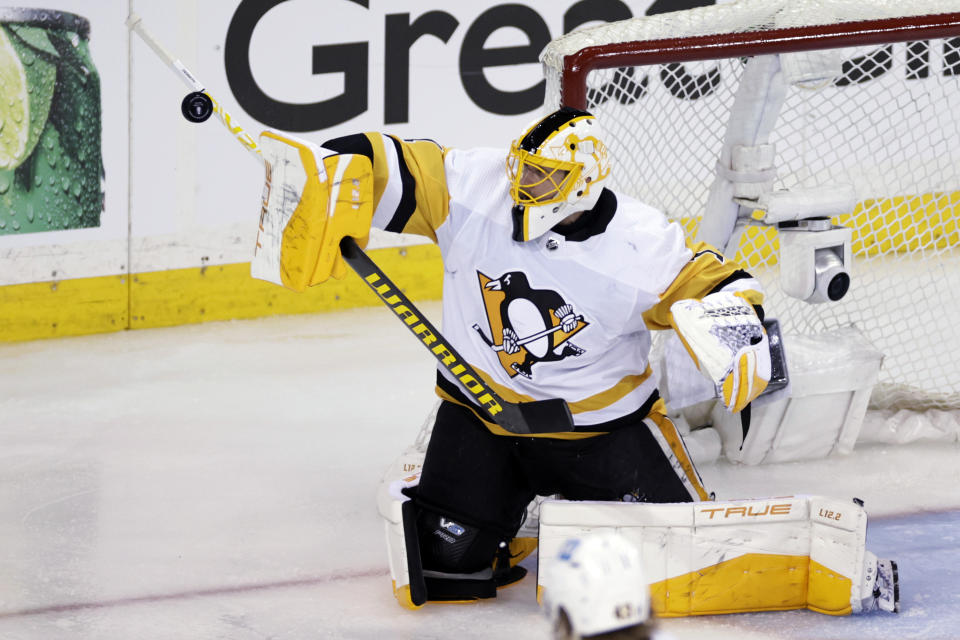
{"x":555,"y":168}
{"x":597,"y":584}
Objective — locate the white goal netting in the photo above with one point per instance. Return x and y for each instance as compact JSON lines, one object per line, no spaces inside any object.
{"x":873,"y":107}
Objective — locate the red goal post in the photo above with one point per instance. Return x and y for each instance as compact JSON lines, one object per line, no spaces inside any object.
{"x":578,"y":65}
{"x":883,"y":123}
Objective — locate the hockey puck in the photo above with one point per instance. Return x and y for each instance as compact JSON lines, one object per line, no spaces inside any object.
{"x":196,"y":107}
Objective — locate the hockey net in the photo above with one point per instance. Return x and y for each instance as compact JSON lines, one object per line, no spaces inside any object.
{"x":884,"y":119}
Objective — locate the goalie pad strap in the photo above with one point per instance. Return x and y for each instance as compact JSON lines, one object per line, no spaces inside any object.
{"x":460,"y":587}
{"x":418,"y":589}
{"x":399,"y":514}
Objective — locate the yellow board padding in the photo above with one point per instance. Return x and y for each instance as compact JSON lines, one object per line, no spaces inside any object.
{"x":186,"y":296}
{"x":63,"y":308}
{"x":167,"y":298}
{"x":753,"y":582}
{"x":880,"y":226}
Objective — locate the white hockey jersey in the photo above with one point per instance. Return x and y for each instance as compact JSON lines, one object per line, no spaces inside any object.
{"x":567,"y":315}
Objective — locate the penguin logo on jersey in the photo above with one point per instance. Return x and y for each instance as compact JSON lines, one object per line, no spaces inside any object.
{"x":533,"y":325}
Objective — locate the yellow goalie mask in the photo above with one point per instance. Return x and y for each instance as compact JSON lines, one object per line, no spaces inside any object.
{"x":555,"y":168}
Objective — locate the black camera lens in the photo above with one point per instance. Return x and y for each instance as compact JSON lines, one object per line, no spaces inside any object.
{"x":838,"y":287}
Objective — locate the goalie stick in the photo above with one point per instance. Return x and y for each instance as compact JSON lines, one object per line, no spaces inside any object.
{"x":541,"y":416}
{"x":522,"y":341}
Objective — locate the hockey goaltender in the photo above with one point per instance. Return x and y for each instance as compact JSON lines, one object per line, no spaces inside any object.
{"x":552,"y":285}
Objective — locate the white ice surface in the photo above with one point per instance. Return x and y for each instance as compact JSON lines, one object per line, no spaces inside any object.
{"x":218,"y":481}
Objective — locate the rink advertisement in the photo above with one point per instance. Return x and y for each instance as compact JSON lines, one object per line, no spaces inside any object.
{"x":63,"y":169}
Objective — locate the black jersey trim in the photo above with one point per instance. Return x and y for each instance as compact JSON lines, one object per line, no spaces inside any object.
{"x":593,"y":222}
{"x":739,"y":274}
{"x":408,"y":198}
{"x":357,"y":143}
{"x":631,"y":419}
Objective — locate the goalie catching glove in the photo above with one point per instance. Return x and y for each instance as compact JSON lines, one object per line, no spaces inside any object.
{"x":727,"y":341}
{"x":312,"y":199}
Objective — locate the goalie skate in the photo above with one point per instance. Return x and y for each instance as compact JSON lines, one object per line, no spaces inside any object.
{"x":887,"y":590}
{"x":884,"y":594}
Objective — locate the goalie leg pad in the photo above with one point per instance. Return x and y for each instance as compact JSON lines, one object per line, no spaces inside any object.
{"x":728,"y":557}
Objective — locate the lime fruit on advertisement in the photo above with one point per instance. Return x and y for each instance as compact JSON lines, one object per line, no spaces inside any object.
{"x":14,"y":106}
{"x":28,"y":76}
{"x":39,"y":59}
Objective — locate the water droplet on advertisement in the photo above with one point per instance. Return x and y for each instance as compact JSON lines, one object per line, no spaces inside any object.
{"x":38,"y":181}
{"x":3,"y":224}
{"x":15,"y":225}
{"x":4,"y":184}
{"x":30,"y":214}
{"x":65,"y":183}
{"x":28,"y":58}
{"x":76,"y":189}
{"x":52,"y":181}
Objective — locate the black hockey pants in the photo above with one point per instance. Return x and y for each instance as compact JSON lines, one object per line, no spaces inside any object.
{"x":485,"y":480}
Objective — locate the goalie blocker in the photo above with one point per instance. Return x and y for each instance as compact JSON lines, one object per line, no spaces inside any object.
{"x":727,"y":340}
{"x":730,"y":557}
